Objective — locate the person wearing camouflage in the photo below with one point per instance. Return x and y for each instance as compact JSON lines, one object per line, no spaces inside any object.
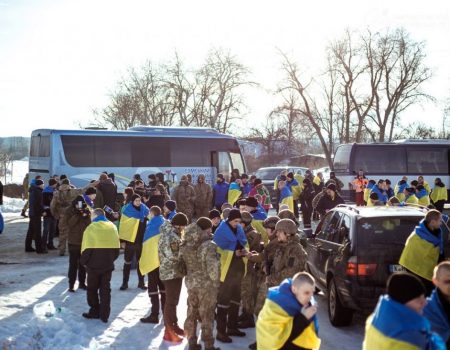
{"x":199,"y":253}
{"x":248,"y":287}
{"x":171,"y":272}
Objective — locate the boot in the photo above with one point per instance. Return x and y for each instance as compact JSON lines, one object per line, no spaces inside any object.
{"x":82,"y":286}
{"x":252,"y":346}
{"x":152,"y":318}
{"x":176,"y":328}
{"x":222,"y":325}
{"x":233,"y":313}
{"x":89,"y":315}
{"x":23,"y":214}
{"x":141,"y":284}
{"x":170,"y":336}
{"x":193,"y":344}
{"x":247,"y":321}
{"x":126,"y":276}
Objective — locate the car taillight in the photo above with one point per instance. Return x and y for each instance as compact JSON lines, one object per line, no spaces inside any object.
{"x":358,"y":269}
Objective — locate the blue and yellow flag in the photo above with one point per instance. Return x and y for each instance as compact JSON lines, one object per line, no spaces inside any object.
{"x":276,"y":319}
{"x":100,"y":234}
{"x":386,"y":328}
{"x":259,"y":216}
{"x":286,"y":198}
{"x":149,"y":258}
{"x":226,"y":241}
{"x":234,"y":192}
{"x":129,"y":221}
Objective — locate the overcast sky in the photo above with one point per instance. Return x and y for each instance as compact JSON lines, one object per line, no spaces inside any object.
{"x":59,"y":59}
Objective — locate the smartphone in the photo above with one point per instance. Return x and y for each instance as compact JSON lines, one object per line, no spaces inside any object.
{"x":80,"y":205}
{"x":108,"y":210}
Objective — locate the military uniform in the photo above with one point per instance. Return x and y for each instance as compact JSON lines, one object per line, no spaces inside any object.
{"x":170,"y":273}
{"x":248,"y":286}
{"x":184,"y":196}
{"x":202,"y":261}
{"x":289,"y":258}
{"x":203,"y":198}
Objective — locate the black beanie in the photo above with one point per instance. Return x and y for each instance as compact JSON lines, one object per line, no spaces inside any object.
{"x":204,"y":223}
{"x":134,"y":196}
{"x":90,"y":190}
{"x":171,"y":205}
{"x":39,"y":182}
{"x":179,"y":220}
{"x":403,"y":287}
{"x":331,"y":187}
{"x":214,"y":214}
{"x":234,"y":214}
{"x":251,"y":202}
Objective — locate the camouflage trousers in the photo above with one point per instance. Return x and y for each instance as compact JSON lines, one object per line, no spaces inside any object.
{"x":63,"y":235}
{"x":261,"y":293}
{"x":201,"y":308}
{"x":249,"y":290}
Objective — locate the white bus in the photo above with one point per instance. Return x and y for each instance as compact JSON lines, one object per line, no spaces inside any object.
{"x":83,"y":154}
{"x":411,"y":158}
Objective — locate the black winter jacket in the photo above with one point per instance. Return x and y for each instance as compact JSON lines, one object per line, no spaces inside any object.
{"x":36,"y":201}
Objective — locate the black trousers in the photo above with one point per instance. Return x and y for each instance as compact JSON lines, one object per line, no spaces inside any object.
{"x":99,"y":293}
{"x":156,"y":290}
{"x":306,"y":213}
{"x":131,"y":249}
{"x":34,"y":233}
{"x":173,"y":290}
{"x":296,"y":208}
{"x":75,"y":266}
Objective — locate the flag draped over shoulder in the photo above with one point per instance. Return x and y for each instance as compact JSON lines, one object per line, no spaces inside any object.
{"x":100,"y":234}
{"x":258,"y":223}
{"x":286,"y":198}
{"x":276,"y":320}
{"x":226,"y":241}
{"x":234,"y":192}
{"x":129,"y":221}
{"x":149,"y":258}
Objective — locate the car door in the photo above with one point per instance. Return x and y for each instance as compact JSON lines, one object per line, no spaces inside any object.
{"x":326,"y":247}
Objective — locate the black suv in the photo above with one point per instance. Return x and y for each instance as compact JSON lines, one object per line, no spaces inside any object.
{"x":352,"y":253}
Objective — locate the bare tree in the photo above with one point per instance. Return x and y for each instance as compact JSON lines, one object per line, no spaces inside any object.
{"x":268,"y":135}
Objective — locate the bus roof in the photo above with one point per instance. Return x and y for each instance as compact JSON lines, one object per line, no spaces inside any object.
{"x":157,"y":131}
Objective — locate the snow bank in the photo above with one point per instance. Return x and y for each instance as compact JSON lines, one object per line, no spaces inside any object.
{"x":16,"y":172}
{"x":51,"y":328}
{"x":12,"y":205}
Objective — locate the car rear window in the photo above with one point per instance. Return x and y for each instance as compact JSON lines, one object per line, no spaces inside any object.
{"x":385,"y":230}
{"x":268,"y":174}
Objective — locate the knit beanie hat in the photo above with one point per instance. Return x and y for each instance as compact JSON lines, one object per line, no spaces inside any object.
{"x":135,"y":196}
{"x":251,"y":202}
{"x":204,"y":223}
{"x":220,"y":176}
{"x":287,"y":214}
{"x":241,"y":202}
{"x":332,"y":187}
{"x":39,"y":182}
{"x":257,"y":182}
{"x":234,"y":214}
{"x":179,"y":220}
{"x":90,"y":190}
{"x":171,"y":205}
{"x":270,"y":222}
{"x":246,"y":217}
{"x":403,"y":287}
{"x":214,"y":214}
{"x":287,"y":226}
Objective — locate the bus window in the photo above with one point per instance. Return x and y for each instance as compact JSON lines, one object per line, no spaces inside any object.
{"x":112,"y":152}
{"x":380,"y":160}
{"x":188,"y":152}
{"x":237,"y":161}
{"x":224,"y":163}
{"x":342,"y":159}
{"x":40,"y":146}
{"x":427,"y":161}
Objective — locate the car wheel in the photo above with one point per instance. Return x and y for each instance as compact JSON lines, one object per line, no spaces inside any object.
{"x":338,"y":314}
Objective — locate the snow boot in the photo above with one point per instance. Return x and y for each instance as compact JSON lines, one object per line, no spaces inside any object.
{"x":232,"y":327}
{"x":23,"y":214}
{"x":252,"y":346}
{"x":89,"y":315}
{"x":126,"y":276}
{"x":222,"y":325}
{"x":152,"y":318}
{"x":247,"y":321}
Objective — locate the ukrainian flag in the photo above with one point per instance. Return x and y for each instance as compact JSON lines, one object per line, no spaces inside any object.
{"x":276,"y":320}
{"x":149,"y":258}
{"x":386,"y":328}
{"x":438,"y":194}
{"x":100,"y":234}
{"x":234,"y":192}
{"x":226,"y":241}
{"x":286,"y":198}
{"x":258,"y":223}
{"x":129,"y":221}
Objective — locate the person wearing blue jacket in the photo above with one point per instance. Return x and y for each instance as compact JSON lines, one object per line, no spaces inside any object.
{"x":437,"y":310}
{"x":220,"y":192}
{"x":2,"y":224}
{"x":246,"y":187}
{"x":397,"y":322}
{"x":380,"y":190}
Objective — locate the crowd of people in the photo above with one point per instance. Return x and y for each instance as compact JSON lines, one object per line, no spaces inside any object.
{"x":238,"y":263}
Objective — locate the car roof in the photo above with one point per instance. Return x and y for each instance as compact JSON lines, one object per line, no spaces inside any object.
{"x":381,"y":211}
{"x":282,"y":167}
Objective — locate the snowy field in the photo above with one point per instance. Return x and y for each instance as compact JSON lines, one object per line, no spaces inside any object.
{"x":28,"y":279}
{"x":16,"y":172}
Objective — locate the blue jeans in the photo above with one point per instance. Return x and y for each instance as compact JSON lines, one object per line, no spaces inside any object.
{"x":49,"y":231}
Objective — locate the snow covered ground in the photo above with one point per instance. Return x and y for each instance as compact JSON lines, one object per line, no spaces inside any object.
{"x":12,"y":205}
{"x":16,"y":172}
{"x":28,"y":279}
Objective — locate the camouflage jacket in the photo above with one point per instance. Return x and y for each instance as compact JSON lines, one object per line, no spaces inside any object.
{"x":184,"y":195}
{"x":203,"y":195}
{"x":289,"y":258}
{"x":168,"y":252}
{"x":62,"y":199}
{"x":253,"y":238}
{"x":199,"y":254}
